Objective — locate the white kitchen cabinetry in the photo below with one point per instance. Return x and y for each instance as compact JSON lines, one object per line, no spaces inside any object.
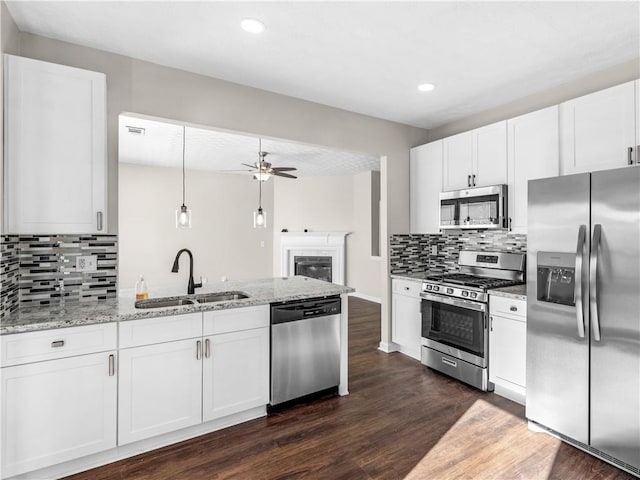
{"x":508,"y":346}
{"x":425,"y":186}
{"x":476,"y":158}
{"x":599,"y":130}
{"x":406,"y":320}
{"x":183,"y":370}
{"x":533,"y":153}
{"x":59,"y":409}
{"x":55,"y":148}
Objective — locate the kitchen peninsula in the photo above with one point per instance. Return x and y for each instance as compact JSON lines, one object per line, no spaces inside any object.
{"x":120,"y":380}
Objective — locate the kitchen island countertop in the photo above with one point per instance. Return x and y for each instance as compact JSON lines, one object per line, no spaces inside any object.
{"x":72,"y":314}
{"x":518,"y":292}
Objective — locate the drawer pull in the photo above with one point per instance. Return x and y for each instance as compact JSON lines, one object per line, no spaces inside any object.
{"x":451,"y":363}
{"x":57,"y":344}
{"x":513,"y":308}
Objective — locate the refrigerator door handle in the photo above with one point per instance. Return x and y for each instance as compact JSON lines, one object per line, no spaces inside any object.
{"x":593,"y":274}
{"x":582,"y":237}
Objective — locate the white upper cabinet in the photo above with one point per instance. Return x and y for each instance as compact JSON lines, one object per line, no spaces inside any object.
{"x":599,"y":131}
{"x":533,"y":153}
{"x":476,"y":158}
{"x":55,"y":148}
{"x":425,"y":187}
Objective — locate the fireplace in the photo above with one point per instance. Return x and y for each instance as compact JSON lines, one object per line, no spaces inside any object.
{"x":318,"y":255}
{"x":313,"y":266}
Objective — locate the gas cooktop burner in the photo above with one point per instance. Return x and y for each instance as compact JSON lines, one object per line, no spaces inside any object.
{"x":472,"y":280}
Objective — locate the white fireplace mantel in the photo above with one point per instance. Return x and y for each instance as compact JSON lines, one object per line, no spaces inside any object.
{"x":326,"y":244}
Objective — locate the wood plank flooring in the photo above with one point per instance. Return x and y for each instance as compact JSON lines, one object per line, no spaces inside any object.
{"x":400,"y":421}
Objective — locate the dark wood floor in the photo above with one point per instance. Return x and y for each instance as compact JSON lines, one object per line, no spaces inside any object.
{"x":400,"y":421}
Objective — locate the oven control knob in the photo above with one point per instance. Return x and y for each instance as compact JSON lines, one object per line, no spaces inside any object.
{"x":436,"y":288}
{"x":474,"y":295}
{"x":429,"y":287}
{"x":450,"y":291}
{"x":465,"y":293}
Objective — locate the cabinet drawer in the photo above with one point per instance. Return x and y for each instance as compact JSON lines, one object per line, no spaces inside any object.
{"x":235,"y":319}
{"x":30,"y":347}
{"x":508,"y":307}
{"x":406,"y":287}
{"x":148,"y":331}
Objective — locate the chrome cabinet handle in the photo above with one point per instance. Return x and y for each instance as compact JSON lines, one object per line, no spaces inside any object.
{"x":577,"y":289}
{"x":112,"y":365}
{"x":593,"y":278}
{"x":57,"y":344}
{"x":468,"y":180}
{"x":637,"y":158}
{"x":198,"y":350}
{"x":491,"y":323}
{"x":207,"y":348}
{"x":510,"y":224}
{"x":629,"y":155}
{"x":99,"y":221}
{"x":473,"y":180}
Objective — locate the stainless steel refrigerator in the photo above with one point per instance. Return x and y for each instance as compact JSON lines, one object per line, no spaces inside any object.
{"x":583,"y":312}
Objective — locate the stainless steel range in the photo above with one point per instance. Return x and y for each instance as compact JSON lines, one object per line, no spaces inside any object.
{"x":455,"y":313}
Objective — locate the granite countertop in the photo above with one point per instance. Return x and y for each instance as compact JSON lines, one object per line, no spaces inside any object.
{"x":260,"y":291}
{"x":519,"y":292}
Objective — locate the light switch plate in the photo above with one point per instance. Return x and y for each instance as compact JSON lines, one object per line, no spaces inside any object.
{"x":86,"y":263}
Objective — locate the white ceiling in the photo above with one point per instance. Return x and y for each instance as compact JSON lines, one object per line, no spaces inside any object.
{"x":206,"y":149}
{"x":366,"y":57}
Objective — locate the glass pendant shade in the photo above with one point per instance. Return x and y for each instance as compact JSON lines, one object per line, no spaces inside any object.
{"x":183,"y":217}
{"x":259,"y":219}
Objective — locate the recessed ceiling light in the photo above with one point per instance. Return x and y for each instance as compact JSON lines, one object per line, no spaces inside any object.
{"x":426,"y":87}
{"x":252,"y":25}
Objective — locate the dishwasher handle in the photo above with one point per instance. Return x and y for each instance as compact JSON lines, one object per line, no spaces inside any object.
{"x":293,"y":311}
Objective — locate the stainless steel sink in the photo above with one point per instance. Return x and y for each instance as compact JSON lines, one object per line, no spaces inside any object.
{"x":190,"y":300}
{"x":220,"y":297}
{"x":164,"y":302}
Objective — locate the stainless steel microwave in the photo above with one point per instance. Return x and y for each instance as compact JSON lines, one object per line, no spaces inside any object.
{"x":480,"y":208}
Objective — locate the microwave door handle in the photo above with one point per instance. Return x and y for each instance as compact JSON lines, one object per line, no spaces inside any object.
{"x":582,"y":237}
{"x":593,"y":276}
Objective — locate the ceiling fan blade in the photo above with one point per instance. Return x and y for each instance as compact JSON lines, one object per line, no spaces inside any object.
{"x":250,"y":166}
{"x":286,"y":175}
{"x":283,"y":169}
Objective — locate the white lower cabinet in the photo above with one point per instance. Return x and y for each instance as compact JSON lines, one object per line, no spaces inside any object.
{"x":406,"y":320}
{"x":508,"y":347}
{"x":236,"y":372}
{"x":160,"y":389}
{"x":57,"y":410}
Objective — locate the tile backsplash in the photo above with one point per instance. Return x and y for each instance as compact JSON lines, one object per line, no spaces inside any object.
{"x":410,"y":253}
{"x":41,"y":269}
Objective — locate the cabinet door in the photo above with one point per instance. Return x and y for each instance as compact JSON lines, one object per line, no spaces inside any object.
{"x":457,"y":165}
{"x":160,"y":389}
{"x":406,"y":324}
{"x":425,"y":179}
{"x":533,"y":153}
{"x":507,"y":351}
{"x":597,"y":130}
{"x":490,"y":155}
{"x":236,"y":372}
{"x":57,"y":410}
{"x":55,"y":149}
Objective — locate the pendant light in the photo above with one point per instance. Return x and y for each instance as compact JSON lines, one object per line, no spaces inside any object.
{"x":259,"y":216}
{"x":183,"y":215}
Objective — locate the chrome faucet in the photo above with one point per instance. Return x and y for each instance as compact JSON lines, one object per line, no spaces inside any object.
{"x":191,"y":287}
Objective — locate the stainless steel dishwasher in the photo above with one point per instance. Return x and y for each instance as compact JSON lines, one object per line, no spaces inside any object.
{"x":305,"y":347}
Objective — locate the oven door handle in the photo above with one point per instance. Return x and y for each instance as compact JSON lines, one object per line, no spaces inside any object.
{"x":478,"y":307}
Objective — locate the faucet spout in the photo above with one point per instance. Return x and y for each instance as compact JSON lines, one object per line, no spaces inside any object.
{"x":191,"y":286}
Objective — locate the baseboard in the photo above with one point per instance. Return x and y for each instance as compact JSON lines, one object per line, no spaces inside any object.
{"x":389,"y":347}
{"x":366,"y":297}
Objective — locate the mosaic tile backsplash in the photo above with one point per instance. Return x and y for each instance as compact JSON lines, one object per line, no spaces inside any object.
{"x":41,"y":269}
{"x":412,"y":253}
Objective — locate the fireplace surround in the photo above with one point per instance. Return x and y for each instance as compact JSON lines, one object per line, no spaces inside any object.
{"x":319,"y":255}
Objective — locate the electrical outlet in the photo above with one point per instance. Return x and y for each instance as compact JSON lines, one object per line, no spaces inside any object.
{"x":434,"y":249}
{"x":86,"y":263}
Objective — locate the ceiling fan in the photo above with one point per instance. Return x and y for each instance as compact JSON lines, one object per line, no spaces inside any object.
{"x":262,"y":170}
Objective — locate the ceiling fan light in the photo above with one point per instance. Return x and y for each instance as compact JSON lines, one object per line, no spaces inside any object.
{"x":262,"y":176}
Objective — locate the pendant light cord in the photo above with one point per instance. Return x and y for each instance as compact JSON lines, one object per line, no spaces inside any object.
{"x":184,"y":132}
{"x":259,"y":174}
